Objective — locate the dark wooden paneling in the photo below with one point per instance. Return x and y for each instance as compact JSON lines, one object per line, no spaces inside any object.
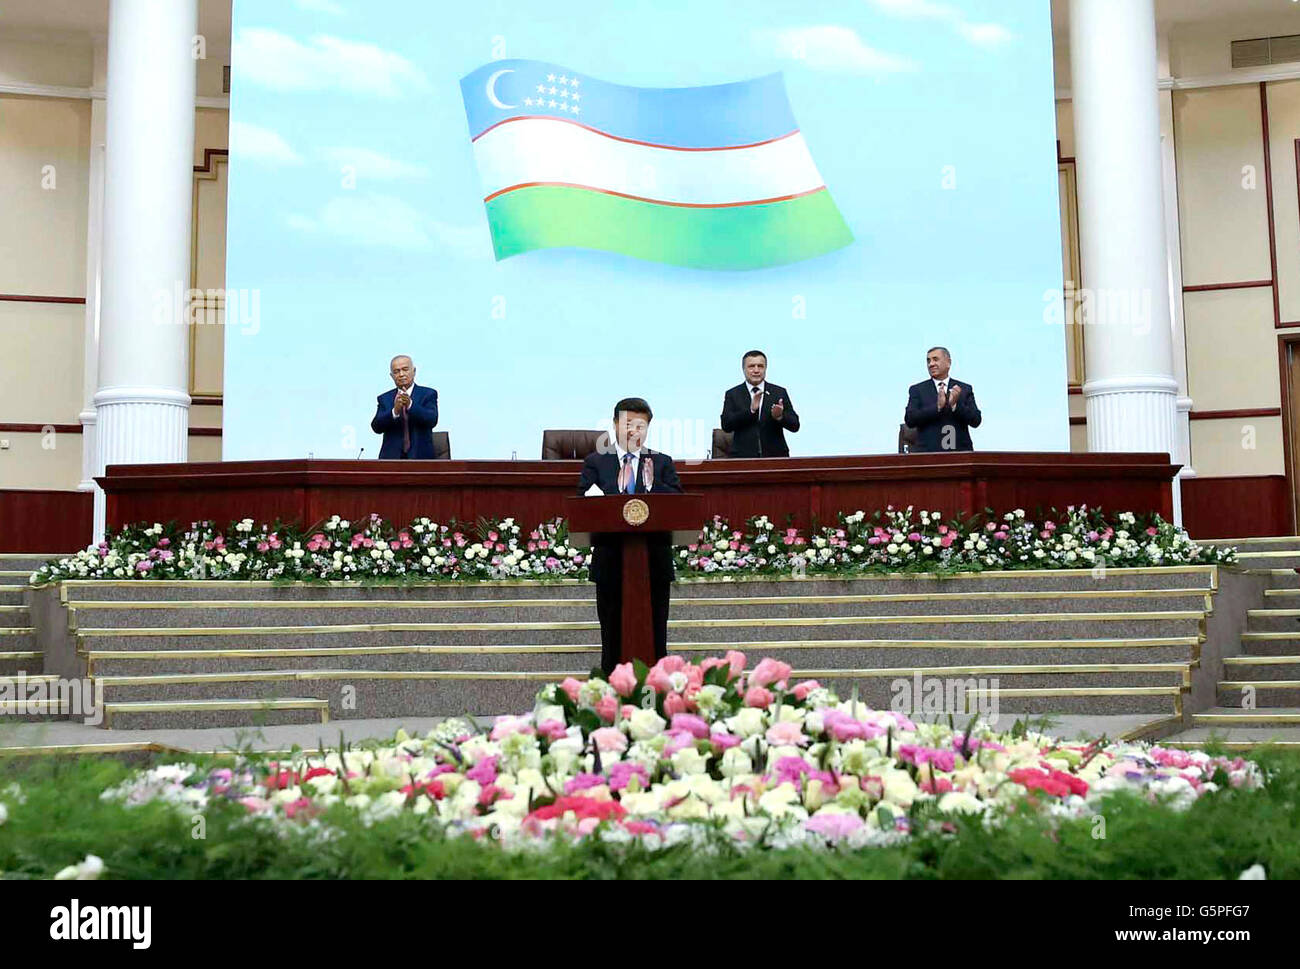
{"x":810,"y":489}
{"x":1236,"y":507}
{"x":45,"y":521}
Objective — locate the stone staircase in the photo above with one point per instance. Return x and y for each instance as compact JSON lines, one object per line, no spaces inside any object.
{"x":201,"y":654}
{"x":1258,"y":695}
{"x":20,"y":656}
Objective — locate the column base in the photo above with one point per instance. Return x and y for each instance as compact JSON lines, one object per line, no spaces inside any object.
{"x":139,"y":425}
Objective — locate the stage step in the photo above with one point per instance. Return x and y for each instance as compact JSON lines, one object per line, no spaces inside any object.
{"x":368,"y":694}
{"x":29,"y":696}
{"x":1198,"y":577}
{"x":966,"y":626}
{"x":200,"y":713}
{"x":159,"y":613}
{"x":12,"y":616}
{"x":15,"y":662}
{"x":810,"y":652}
{"x":1261,"y":692}
{"x":1233,"y":717}
{"x":1272,"y":558}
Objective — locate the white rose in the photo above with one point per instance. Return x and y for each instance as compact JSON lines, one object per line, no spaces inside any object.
{"x":644,"y":724}
{"x":735,"y":763}
{"x":747,"y":722}
{"x":959,"y":802}
{"x":688,"y":760}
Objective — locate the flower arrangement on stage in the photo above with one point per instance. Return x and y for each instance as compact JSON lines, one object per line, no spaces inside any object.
{"x":680,"y":751}
{"x":891,"y":541}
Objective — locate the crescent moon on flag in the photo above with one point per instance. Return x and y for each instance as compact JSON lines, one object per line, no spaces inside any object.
{"x":492,"y":94}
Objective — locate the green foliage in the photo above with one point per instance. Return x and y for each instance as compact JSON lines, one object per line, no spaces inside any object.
{"x":57,"y":817}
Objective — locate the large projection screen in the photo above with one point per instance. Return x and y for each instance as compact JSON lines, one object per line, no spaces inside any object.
{"x":842,"y":185}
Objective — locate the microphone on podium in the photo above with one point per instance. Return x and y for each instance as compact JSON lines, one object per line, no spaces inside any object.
{"x":359,"y":453}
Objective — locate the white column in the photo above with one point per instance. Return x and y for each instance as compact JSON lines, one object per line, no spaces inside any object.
{"x":1131,"y":392}
{"x":94,"y":269}
{"x":1173,"y":238}
{"x":142,"y":399}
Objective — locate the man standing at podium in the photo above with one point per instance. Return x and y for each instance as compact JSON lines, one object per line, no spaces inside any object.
{"x":941,"y":409}
{"x":757,"y":413}
{"x":407,"y":415}
{"x":630,"y":469}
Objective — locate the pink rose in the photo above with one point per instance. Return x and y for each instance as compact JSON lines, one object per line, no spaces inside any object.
{"x":769,"y":671}
{"x":801,"y":690}
{"x":607,"y":707}
{"x":759,"y":697}
{"x":724,"y":741}
{"x":609,"y":740}
{"x":628,"y":710}
{"x":786,"y":735}
{"x":551,"y":729}
{"x":692,"y":724}
{"x":674,"y":704}
{"x":623,"y":679}
{"x":571,"y":686}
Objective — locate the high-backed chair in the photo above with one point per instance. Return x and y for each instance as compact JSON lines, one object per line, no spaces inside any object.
{"x":907,"y":439}
{"x":722,"y":443}
{"x":441,"y":446}
{"x":571,"y":445}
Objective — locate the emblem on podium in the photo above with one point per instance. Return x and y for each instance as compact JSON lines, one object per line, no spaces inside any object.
{"x":636,"y":512}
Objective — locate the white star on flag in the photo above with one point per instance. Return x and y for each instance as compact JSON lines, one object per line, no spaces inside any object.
{"x":528,"y":102}
{"x":576,"y":109}
{"x":564,"y":79}
{"x":552,"y":90}
{"x":553,"y":104}
{"x":551,"y":78}
{"x":575,"y":82}
{"x":577,"y":96}
{"x":541,"y":89}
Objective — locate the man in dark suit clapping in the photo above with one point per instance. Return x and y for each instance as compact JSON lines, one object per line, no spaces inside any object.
{"x":407,"y":415}
{"x":630,"y":468}
{"x":758,"y":413}
{"x":941,"y":409}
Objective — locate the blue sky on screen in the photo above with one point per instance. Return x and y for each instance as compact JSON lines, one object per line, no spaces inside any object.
{"x":356,"y":211}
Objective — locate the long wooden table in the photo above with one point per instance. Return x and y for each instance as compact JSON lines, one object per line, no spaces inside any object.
{"x":807,"y":489}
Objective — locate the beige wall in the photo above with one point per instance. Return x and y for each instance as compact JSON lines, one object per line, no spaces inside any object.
{"x":1284,"y":129}
{"x":1221,"y":192}
{"x":43,"y":251}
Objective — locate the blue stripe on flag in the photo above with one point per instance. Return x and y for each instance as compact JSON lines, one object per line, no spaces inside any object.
{"x":718,"y":116}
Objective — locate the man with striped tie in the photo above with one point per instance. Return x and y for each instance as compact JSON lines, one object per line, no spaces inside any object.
{"x":629,"y":468}
{"x":941,"y":409}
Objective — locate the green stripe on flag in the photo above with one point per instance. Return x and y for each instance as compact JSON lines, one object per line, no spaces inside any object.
{"x":736,"y":237}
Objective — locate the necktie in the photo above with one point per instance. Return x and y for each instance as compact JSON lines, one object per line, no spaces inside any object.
{"x":627,"y":476}
{"x":406,"y":432}
{"x":943,"y":388}
{"x":758,"y":396}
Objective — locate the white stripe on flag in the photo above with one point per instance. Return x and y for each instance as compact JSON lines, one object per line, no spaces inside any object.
{"x":545,"y":150}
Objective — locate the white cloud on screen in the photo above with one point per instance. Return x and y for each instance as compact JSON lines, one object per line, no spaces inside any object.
{"x":254,"y":143}
{"x":831,"y":48}
{"x":372,"y":164}
{"x":386,"y":221}
{"x":274,"y":60}
{"x":980,"y":34}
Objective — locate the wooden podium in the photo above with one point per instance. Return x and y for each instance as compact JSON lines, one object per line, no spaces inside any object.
{"x":633,"y":520}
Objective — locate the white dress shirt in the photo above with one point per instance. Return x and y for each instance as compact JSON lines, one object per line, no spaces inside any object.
{"x":636,"y":460}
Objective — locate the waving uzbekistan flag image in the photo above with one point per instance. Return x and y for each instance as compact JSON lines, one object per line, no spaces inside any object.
{"x":714,"y":177}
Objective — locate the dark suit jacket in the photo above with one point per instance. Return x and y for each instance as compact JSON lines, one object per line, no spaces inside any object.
{"x":423,"y":418}
{"x":606,"y":557}
{"x":932,"y":424}
{"x":755,"y":438}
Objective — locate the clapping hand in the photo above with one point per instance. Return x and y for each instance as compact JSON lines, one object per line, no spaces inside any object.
{"x":943,"y":400}
{"x":778,"y":409}
{"x":403,"y":402}
{"x":954,"y":394}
